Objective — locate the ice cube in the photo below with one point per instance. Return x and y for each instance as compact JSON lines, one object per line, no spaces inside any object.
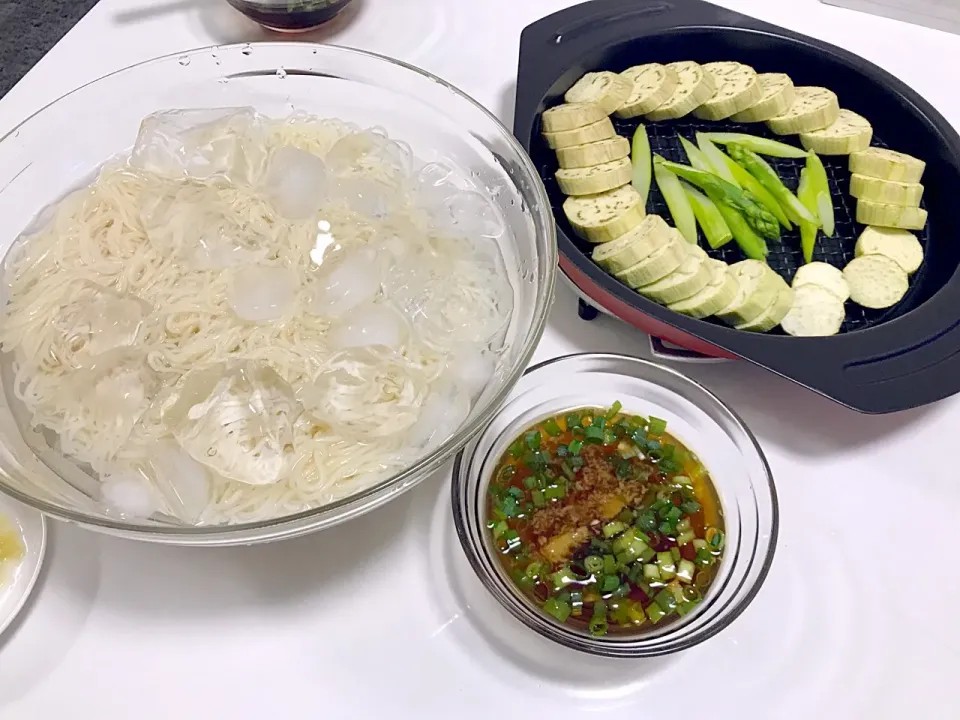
{"x":194,"y":222}
{"x":367,"y":325}
{"x":237,"y":419}
{"x":262,"y":294}
{"x":445,"y":409}
{"x":296,"y":183}
{"x":471,"y":367}
{"x":345,"y":155}
{"x":94,"y":321}
{"x":365,"y":195}
{"x":351,"y":282}
{"x":129,"y":493}
{"x":202,"y":143}
{"x":471,"y":214}
{"x":182,"y":481}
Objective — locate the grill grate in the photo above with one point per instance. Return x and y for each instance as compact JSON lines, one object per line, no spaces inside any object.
{"x":785,"y":256}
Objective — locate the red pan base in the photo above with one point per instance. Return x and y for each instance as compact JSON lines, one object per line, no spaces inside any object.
{"x":638,"y":319}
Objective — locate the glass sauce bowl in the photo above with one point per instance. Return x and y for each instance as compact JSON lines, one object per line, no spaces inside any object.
{"x":699,"y":420}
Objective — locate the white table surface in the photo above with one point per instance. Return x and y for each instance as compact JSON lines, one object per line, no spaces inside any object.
{"x":378,"y":619}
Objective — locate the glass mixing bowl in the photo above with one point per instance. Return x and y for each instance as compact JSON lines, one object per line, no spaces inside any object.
{"x":62,"y":145}
{"x":699,"y":420}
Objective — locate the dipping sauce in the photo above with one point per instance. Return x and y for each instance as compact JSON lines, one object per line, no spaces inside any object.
{"x":606,"y":521}
{"x":11,"y":547}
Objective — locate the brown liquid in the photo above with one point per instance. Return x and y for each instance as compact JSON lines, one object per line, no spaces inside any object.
{"x":290,"y":16}
{"x":593,"y":498}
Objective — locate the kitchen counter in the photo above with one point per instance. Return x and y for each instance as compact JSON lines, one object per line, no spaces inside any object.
{"x":381,"y":618}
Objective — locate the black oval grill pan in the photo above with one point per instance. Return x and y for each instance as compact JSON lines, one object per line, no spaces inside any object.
{"x":882,"y":361}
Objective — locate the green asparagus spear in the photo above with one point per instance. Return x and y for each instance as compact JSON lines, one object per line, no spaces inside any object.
{"x":767,"y":176}
{"x":696,"y":156}
{"x":761,"y":145}
{"x":753,"y":246}
{"x":715,"y":228}
{"x":642,"y":172}
{"x":808,"y":231}
{"x":678,"y":203}
{"x":723,"y":193}
{"x":749,"y":182}
{"x":820,"y":188}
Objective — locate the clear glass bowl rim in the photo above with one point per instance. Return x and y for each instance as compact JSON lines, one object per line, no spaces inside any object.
{"x":576,"y":641}
{"x":366,"y":500}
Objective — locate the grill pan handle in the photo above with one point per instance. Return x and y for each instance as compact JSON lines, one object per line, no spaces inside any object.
{"x":919,"y":373}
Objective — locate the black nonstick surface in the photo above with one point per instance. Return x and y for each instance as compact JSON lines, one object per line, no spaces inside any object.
{"x":785,"y":255}
{"x":883,"y":361}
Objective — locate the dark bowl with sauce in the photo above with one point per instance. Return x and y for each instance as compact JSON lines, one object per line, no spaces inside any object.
{"x":290,"y":16}
{"x":731,"y":477}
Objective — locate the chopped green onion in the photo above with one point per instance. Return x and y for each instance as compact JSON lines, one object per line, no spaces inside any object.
{"x":647,"y":555}
{"x":666,"y":600}
{"x":640,"y":437}
{"x":675,"y":551}
{"x":539,"y":499}
{"x":534,"y":570}
{"x":685,"y":537}
{"x":609,"y":437}
{"x":714,"y":538}
{"x":532,"y":440}
{"x":562,"y":578}
{"x":691,"y":594}
{"x":704,"y":558}
{"x":647,"y":521}
{"x":655,"y":613}
{"x":557,"y":608}
{"x":609,"y":583}
{"x":509,"y":506}
{"x":666,"y":528}
{"x":613,"y":528}
{"x":567,"y":470}
{"x":685,"y":571}
{"x":665,"y":561}
{"x":635,"y":614}
{"x":530,"y":482}
{"x":598,"y":626}
{"x":674,"y":514}
{"x":575,"y":446}
{"x":690,"y":507}
{"x":614,"y":409}
{"x":552,"y":428}
{"x":506,"y":473}
{"x":684,"y":608}
{"x":576,"y":601}
{"x":517,"y":449}
{"x":594,"y":433}
{"x":593,"y":564}
{"x":499,"y":529}
{"x":683,"y":525}
{"x":555,"y":492}
{"x":515,"y":492}
{"x":702,"y":579}
{"x":562,"y":451}
{"x":700,"y":544}
{"x":573,"y":420}
{"x":657,"y":426}
{"x":609,"y":564}
{"x":640,"y":154}
{"x":682,"y":480}
{"x":651,"y":573}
